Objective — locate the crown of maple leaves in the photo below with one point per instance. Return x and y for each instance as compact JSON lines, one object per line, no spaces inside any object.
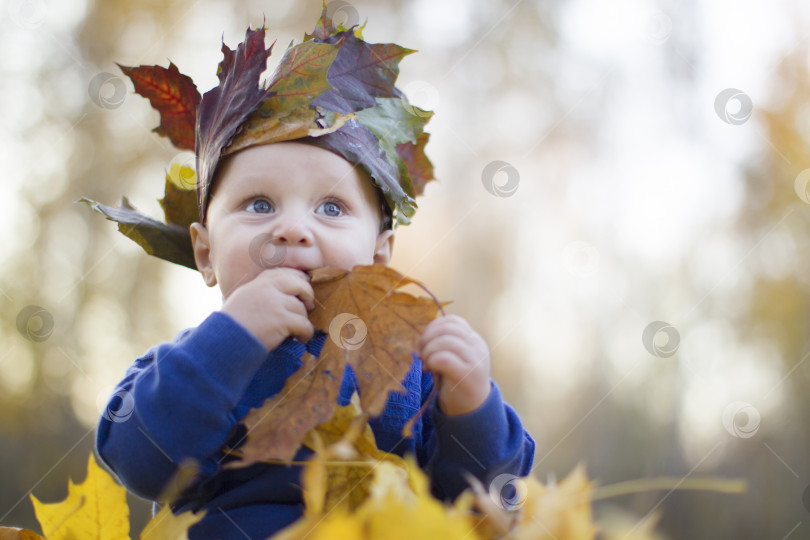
{"x":333,"y":90}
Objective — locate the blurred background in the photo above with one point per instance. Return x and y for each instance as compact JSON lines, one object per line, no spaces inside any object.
{"x":622,"y":211}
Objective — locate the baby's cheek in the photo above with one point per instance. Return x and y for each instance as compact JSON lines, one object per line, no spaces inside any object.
{"x":361,"y":252}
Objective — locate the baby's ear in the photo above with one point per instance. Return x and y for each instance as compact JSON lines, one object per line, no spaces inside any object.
{"x":202,"y":253}
{"x":384,"y":247}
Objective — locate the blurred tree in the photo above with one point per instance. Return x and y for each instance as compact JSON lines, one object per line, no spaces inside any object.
{"x":775,"y":222}
{"x":103,"y":294}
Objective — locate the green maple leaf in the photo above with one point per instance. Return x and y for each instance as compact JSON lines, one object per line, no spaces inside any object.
{"x":170,"y":241}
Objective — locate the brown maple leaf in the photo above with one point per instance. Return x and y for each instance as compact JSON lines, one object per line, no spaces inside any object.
{"x":419,"y":166}
{"x":371,"y":326}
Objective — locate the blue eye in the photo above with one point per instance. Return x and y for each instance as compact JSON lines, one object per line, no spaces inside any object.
{"x":260,"y":206}
{"x":331,"y":209}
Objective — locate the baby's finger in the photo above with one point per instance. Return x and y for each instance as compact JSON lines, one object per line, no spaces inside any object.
{"x":449,"y":343}
{"x":296,"y":283}
{"x":307,"y":296}
{"x":450,"y":324}
{"x":299,"y":326}
{"x":446,"y":364}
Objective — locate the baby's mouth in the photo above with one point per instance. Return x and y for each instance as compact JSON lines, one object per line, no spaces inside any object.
{"x":304,"y":269}
{"x":291,"y":260}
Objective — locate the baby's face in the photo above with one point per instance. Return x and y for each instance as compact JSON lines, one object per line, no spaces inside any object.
{"x":288,"y":204}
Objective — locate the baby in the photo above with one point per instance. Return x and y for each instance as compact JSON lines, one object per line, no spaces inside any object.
{"x":313,"y":206}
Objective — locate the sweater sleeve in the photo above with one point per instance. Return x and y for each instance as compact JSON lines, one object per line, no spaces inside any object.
{"x":176,"y":402}
{"x":486,"y":443}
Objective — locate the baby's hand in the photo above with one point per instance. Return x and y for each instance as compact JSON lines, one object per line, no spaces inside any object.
{"x":450,"y":348}
{"x":273,"y":306}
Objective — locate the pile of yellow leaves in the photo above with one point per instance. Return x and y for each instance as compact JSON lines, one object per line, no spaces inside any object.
{"x":351,"y":490}
{"x":354,"y":490}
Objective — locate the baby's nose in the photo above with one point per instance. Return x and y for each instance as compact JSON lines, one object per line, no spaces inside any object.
{"x":292,"y":232}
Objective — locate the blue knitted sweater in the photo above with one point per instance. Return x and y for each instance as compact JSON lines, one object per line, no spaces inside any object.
{"x":184,"y":399}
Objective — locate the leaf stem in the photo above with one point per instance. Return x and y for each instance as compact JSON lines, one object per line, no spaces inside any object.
{"x":424,"y":288}
{"x":719,"y":485}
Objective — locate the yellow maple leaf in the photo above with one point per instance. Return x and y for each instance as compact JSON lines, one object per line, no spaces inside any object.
{"x":349,"y":426}
{"x":618,"y":524}
{"x":340,"y":472}
{"x":167,"y":526}
{"x":401,"y":507}
{"x":556,"y":511}
{"x":182,"y":176}
{"x":96,"y":509}
{"x":338,"y":524}
{"x":354,"y":490}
